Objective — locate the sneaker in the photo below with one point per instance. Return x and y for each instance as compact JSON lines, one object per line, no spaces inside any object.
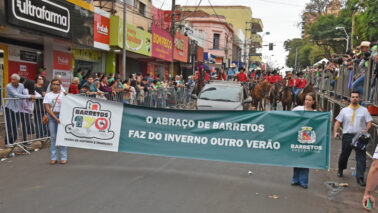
{"x":303,"y":186}
{"x":340,"y":173}
{"x":294,"y":184}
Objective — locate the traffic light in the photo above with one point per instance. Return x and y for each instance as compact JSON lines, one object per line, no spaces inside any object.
{"x":270,"y":46}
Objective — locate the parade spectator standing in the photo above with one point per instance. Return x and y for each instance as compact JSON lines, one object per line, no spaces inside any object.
{"x":300,"y":175}
{"x":79,"y":74}
{"x":242,"y":76}
{"x":372,"y":182}
{"x":74,"y":87}
{"x":27,"y":108}
{"x":363,"y":64}
{"x":104,"y":87}
{"x":355,"y":119}
{"x":12,"y":107}
{"x":41,"y":129}
{"x":52,"y":102}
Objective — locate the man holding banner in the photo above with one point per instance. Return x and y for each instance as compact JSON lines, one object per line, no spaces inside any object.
{"x":355,"y":119}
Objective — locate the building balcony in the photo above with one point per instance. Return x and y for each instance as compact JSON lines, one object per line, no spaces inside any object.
{"x":256,"y":41}
{"x":255,"y":59}
{"x":257,"y":25}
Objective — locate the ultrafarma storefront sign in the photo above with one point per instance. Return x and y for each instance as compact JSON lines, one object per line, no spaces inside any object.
{"x":43,"y":14}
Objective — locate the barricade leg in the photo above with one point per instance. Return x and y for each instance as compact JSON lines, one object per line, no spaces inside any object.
{"x":12,"y":121}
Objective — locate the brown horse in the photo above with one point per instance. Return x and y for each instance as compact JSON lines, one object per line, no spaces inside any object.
{"x":287,"y":97}
{"x":302,"y":95}
{"x":274,"y":95}
{"x":258,"y":93}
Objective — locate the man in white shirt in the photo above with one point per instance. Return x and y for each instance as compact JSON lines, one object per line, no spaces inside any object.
{"x":355,"y":118}
{"x":372,"y":182}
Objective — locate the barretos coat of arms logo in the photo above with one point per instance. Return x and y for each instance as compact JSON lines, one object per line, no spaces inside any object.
{"x":90,"y":122}
{"x":306,"y":135}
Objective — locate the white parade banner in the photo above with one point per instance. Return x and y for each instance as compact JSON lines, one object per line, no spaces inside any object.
{"x":89,"y":123}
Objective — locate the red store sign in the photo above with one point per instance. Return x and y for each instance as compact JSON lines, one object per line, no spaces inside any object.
{"x":101,"y":29}
{"x":180,"y":52}
{"x":62,"y":61}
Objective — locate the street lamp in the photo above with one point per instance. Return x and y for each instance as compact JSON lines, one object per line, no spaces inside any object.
{"x":347,"y":37}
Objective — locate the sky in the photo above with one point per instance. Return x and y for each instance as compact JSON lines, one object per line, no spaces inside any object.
{"x":279,"y":17}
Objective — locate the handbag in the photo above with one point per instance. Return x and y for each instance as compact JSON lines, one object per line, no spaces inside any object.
{"x":45,"y":119}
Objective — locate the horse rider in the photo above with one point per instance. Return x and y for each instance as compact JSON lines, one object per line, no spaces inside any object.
{"x":300,"y":83}
{"x":290,"y":79}
{"x":272,"y":78}
{"x":232,"y":71}
{"x":202,"y":78}
{"x":278,"y":77}
{"x":242,"y":77}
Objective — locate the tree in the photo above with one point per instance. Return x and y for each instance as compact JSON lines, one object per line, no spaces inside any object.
{"x":324,"y":33}
{"x":365,"y":19}
{"x":318,"y":7}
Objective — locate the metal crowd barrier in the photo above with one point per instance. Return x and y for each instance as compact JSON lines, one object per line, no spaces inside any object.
{"x":23,"y":122}
{"x":172,"y":97}
{"x":340,"y":83}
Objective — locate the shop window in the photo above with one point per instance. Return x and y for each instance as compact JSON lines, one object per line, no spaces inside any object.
{"x":216,"y":41}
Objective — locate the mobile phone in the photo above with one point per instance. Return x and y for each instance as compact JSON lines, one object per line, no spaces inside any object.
{"x":368,"y":205}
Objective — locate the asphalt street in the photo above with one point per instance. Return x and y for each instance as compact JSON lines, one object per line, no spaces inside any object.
{"x":95,"y":181}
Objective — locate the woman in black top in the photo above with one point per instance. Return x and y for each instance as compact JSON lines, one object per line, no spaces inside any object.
{"x":39,"y":111}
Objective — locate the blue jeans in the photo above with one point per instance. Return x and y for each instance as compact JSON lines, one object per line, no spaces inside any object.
{"x":297,"y":91}
{"x":358,"y":84}
{"x":300,"y":176}
{"x":53,"y":127}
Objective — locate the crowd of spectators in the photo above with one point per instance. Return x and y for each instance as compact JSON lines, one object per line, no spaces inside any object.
{"x":354,"y":64}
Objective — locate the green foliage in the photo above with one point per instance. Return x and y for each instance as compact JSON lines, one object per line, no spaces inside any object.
{"x":324,"y":39}
{"x":308,"y":53}
{"x":365,"y":20}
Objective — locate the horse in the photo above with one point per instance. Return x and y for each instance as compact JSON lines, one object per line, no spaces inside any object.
{"x":302,"y":95}
{"x":258,"y":93}
{"x":274,"y":95}
{"x":287,"y":96}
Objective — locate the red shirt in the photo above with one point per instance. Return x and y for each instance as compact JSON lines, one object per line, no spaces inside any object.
{"x":291,"y":83}
{"x":300,"y":83}
{"x":207,"y":76}
{"x":278,"y":78}
{"x":272,"y":79}
{"x":253,"y":75}
{"x":74,"y":89}
{"x":242,"y":77}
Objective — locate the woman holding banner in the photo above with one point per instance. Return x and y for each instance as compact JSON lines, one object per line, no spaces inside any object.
{"x":52,"y":102}
{"x":300,"y":176}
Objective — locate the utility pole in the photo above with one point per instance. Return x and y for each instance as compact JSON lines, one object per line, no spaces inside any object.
{"x":296,"y":57}
{"x":173,"y":31}
{"x":124,"y":41}
{"x":245,"y":44}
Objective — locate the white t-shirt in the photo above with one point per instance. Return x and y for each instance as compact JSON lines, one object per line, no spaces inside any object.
{"x":361,"y":118}
{"x":299,"y":108}
{"x":50,"y":99}
{"x":375,"y":156}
